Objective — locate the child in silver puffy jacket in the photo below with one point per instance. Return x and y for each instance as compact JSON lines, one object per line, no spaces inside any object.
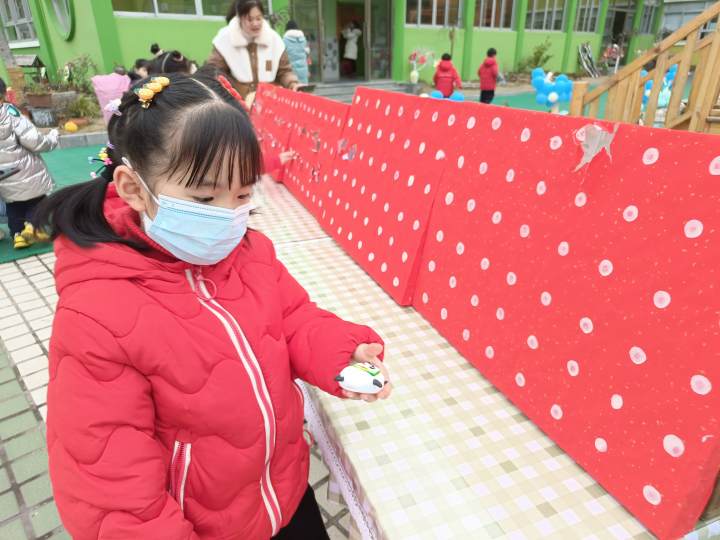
{"x":24,"y":179}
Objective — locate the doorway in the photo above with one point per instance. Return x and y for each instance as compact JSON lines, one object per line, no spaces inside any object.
{"x":323,"y":22}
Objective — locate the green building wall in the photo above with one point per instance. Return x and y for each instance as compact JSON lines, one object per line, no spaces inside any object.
{"x":192,"y":37}
{"x":111,"y":39}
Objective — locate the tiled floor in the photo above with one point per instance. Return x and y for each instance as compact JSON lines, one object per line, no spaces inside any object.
{"x":27,"y":302}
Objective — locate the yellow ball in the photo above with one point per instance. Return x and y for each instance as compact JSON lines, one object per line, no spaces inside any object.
{"x":154,"y":86}
{"x":145,"y":94}
{"x":71,"y":127}
{"x":163,"y":81}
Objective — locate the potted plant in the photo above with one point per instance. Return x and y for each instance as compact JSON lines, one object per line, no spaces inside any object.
{"x":82,"y":110}
{"x":38,"y":95}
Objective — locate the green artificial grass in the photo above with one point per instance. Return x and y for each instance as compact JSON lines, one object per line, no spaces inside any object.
{"x":67,"y":167}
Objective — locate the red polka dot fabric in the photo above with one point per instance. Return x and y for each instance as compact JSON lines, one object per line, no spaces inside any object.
{"x":589,"y":298}
{"x":382,"y":186}
{"x":586,"y":292}
{"x":271,"y":115}
{"x":316,"y":126}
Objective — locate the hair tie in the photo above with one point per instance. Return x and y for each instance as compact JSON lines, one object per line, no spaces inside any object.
{"x":231,"y":90}
{"x":149,"y":90}
{"x":114,"y":107}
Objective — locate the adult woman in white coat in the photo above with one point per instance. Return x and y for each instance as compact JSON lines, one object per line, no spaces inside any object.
{"x":352,"y":34}
{"x":248,"y":51}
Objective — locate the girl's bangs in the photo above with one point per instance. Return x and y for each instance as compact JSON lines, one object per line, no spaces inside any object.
{"x":216,"y":142}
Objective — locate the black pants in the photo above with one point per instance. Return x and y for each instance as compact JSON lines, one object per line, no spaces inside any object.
{"x":486,"y":96}
{"x":306,"y":523}
{"x":19,"y":212}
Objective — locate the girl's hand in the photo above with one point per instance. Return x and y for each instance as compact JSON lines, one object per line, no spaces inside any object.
{"x":368,"y":352}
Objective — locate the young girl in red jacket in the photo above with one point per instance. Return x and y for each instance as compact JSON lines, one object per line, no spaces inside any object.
{"x":172,"y":411}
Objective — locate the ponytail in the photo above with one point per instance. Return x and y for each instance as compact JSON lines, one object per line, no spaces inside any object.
{"x":78,"y":213}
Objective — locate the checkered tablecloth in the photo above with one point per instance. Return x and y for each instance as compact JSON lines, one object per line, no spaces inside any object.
{"x":447,"y":456}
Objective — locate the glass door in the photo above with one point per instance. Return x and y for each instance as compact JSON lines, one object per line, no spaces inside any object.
{"x":377,"y":39}
{"x":306,"y":14}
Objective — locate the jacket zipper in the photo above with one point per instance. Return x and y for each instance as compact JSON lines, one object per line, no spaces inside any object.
{"x":262,"y":395}
{"x":179,"y":468}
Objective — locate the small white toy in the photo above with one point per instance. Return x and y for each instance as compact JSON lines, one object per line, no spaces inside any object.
{"x":361,"y":377}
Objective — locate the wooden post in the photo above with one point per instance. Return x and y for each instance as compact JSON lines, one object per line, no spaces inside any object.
{"x":678,"y":88}
{"x":660,"y":69}
{"x":577,"y":105}
{"x":706,"y":95}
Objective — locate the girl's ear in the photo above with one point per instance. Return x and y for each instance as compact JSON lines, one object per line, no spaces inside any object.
{"x":130,"y":189}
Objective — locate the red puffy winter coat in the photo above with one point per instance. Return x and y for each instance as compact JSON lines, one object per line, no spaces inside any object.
{"x":446,"y":78}
{"x":172,"y":411}
{"x":488,"y":73}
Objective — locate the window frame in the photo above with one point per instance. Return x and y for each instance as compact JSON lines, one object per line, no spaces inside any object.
{"x":591,"y":14}
{"x":434,"y":23}
{"x":647,"y":18}
{"x":687,"y":11}
{"x":480,"y":9}
{"x":157,"y":14}
{"x":545,"y":19}
{"x":14,"y":21}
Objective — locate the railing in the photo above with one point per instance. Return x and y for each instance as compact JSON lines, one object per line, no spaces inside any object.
{"x":625,"y":90}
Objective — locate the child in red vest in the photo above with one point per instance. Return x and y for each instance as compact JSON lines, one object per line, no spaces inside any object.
{"x":446,"y":77}
{"x":488,"y":74}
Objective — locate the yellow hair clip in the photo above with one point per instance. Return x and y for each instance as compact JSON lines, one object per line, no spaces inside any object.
{"x":147,"y":93}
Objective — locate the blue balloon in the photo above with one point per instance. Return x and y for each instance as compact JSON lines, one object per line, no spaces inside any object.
{"x":561,"y":77}
{"x":674,"y":67}
{"x":643,"y":73}
{"x":538,"y":71}
{"x":548,"y":87}
{"x":541,"y":99}
{"x":538,"y":83}
{"x":648,"y":85}
{"x":564,"y":97}
{"x":437,"y":94}
{"x":457,"y":96}
{"x":566,"y":86}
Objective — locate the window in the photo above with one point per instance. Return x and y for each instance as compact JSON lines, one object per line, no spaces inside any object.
{"x":215,"y":7}
{"x":677,"y":14}
{"x":545,"y":15}
{"x":173,"y":7}
{"x":648,"y":17}
{"x":434,"y":12}
{"x":494,"y":13}
{"x":140,"y":6}
{"x":63,"y":15}
{"x":587,"y":15}
{"x":17,"y":20}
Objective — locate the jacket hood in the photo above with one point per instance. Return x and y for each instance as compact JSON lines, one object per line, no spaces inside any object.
{"x":295,"y":34}
{"x":490,"y":61}
{"x":445,"y":65}
{"x":155,"y":267}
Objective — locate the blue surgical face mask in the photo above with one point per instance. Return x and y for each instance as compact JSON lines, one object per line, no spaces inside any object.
{"x":194,"y":232}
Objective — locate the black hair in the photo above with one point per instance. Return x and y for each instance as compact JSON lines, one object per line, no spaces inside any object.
{"x":3,"y":87}
{"x":491,"y":52}
{"x":169,"y":62}
{"x":446,"y":56}
{"x":355,"y":24}
{"x":155,"y":48}
{"x":241,"y":8}
{"x":120,"y":70}
{"x":291,"y":25}
{"x":142,"y":63}
{"x":193,"y":129}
